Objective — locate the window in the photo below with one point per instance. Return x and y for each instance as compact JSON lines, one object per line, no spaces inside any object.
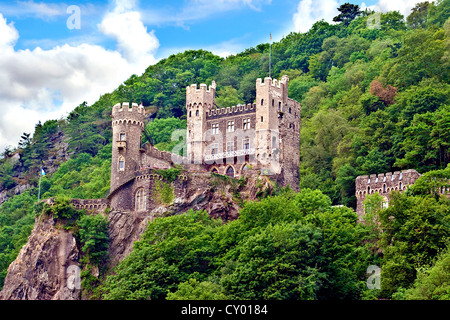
{"x":190,"y":113}
{"x":141,"y":200}
{"x":290,"y":110}
{"x":246,"y":144}
{"x":384,"y":187}
{"x":400,"y":186}
{"x":215,"y":128}
{"x":230,"y":146}
{"x":273,"y":103}
{"x":262,"y":102}
{"x":274,"y":143}
{"x":230,"y":172}
{"x":214,"y":149}
{"x":197,"y":112}
{"x":245,"y":167}
{"x":246,"y":123}
{"x":121,"y":164}
{"x":122,"y":137}
{"x":279,"y":106}
{"x":262,"y":119}
{"x":230,"y":126}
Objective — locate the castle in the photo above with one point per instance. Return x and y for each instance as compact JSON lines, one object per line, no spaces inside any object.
{"x":384,"y":184}
{"x":260,"y":138}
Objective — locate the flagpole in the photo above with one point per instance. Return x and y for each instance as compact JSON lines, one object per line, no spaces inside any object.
{"x":40,"y":176}
{"x":270,"y":56}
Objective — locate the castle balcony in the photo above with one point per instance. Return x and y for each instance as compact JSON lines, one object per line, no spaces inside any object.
{"x":121,"y":144}
{"x":230,"y":154}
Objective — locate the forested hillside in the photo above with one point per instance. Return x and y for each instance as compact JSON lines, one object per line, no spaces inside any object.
{"x":375,"y":98}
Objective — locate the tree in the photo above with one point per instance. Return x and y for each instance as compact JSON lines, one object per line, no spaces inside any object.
{"x":348,"y":12}
{"x":228,"y":97}
{"x":418,"y":16}
{"x":93,"y":235}
{"x":415,"y":229}
{"x":386,"y":95}
{"x":432,"y":283}
{"x":426,"y":143}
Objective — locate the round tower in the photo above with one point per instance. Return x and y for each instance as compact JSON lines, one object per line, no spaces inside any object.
{"x":127,"y":127}
{"x":198,"y":102}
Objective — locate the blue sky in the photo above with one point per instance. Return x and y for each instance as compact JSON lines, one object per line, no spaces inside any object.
{"x":48,"y":67}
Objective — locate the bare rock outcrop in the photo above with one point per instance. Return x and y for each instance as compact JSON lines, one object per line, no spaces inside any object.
{"x":44,"y":268}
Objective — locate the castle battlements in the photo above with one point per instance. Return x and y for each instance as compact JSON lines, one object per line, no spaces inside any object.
{"x":203,"y":88}
{"x":230,"y":111}
{"x":124,"y":107}
{"x":384,"y":184}
{"x":272,"y":82}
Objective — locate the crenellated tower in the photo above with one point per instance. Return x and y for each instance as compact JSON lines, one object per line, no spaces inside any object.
{"x":271,"y":99}
{"x":198,"y":102}
{"x":127,"y":127}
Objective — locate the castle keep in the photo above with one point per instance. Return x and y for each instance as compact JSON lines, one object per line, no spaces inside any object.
{"x":264,"y":135}
{"x":262,"y":138}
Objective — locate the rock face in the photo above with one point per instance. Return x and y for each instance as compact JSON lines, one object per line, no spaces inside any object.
{"x":46,"y":266}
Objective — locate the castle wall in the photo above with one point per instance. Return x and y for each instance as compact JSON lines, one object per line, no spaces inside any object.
{"x":384,"y":184}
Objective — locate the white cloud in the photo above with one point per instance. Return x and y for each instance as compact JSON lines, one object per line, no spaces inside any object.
{"x":309,"y":12}
{"x":132,"y":38}
{"x":403,"y":6}
{"x":38,"y":85}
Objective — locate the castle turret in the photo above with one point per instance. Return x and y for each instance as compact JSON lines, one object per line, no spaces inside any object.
{"x":127,"y":128}
{"x":271,"y":97}
{"x":198,"y":102}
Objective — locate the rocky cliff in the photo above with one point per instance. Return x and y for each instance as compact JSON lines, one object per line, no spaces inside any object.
{"x":47,"y":267}
{"x":44,"y":266}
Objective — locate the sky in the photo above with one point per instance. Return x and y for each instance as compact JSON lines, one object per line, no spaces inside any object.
{"x":54,"y":55}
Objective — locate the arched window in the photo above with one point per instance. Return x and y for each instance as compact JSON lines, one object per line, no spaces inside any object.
{"x":368,"y":190}
{"x":384,"y":188}
{"x":190,"y":113}
{"x":245,"y":167}
{"x":197,"y":112}
{"x":141,"y":200}
{"x":214,"y":170}
{"x":400,"y":186}
{"x":121,"y":163}
{"x":230,"y":172}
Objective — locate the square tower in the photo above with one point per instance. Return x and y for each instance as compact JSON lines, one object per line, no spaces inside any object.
{"x":198,"y":102}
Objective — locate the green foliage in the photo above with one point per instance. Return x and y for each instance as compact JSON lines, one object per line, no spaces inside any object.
{"x":196,"y":290}
{"x":172,"y":250}
{"x":228,"y":97}
{"x":160,"y":130}
{"x":420,"y":227}
{"x":93,"y":235}
{"x":162,"y":192}
{"x":348,"y":12}
{"x":170,"y":174}
{"x":432,"y":283}
{"x":16,"y":223}
{"x":291,"y":246}
{"x":62,"y":209}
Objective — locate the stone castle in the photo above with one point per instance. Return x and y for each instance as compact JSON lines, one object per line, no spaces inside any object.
{"x":260,"y":138}
{"x":384,"y":184}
